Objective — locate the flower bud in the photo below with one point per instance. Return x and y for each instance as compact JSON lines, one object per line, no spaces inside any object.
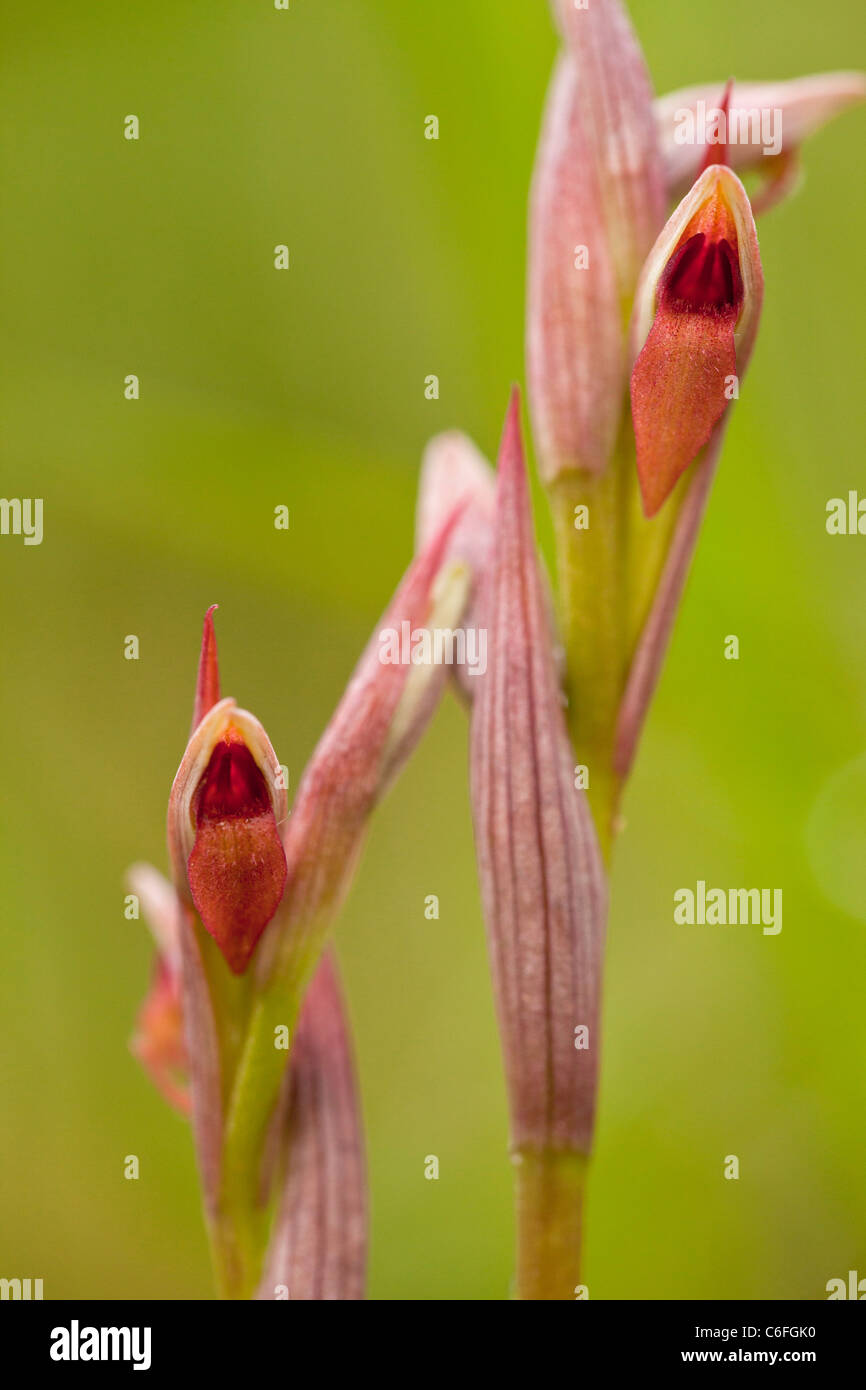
{"x":382,"y":714}
{"x":542,"y":879}
{"x":596,"y":204}
{"x":615,"y":95}
{"x":455,"y":475}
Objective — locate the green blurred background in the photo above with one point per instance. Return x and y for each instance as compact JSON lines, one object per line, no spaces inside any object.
{"x":306,"y":388}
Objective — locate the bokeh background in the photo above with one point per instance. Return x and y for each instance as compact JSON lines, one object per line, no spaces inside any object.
{"x":305,"y":388}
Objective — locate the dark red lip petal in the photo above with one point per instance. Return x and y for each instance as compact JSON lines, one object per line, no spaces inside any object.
{"x":237,"y":873}
{"x":237,"y":868}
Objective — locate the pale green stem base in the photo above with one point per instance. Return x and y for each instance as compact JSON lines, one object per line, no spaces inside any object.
{"x":549,"y":1190}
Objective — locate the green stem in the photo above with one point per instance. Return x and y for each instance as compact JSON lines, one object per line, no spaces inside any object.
{"x":549,"y":1190}
{"x":608,"y":571}
{"x":239,"y":1230}
{"x":255,"y":1093}
{"x":593,"y":602}
{"x":237,"y":1241}
{"x":610,"y":558}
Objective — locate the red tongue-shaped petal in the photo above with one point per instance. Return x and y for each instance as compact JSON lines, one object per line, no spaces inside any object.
{"x":684,"y":364}
{"x":680,"y":376}
{"x":237,"y":868}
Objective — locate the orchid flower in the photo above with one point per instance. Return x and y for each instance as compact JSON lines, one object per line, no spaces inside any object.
{"x":695,"y":318}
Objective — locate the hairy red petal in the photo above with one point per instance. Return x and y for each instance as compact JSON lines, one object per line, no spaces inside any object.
{"x":237,"y":868}
{"x":678,"y":394}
